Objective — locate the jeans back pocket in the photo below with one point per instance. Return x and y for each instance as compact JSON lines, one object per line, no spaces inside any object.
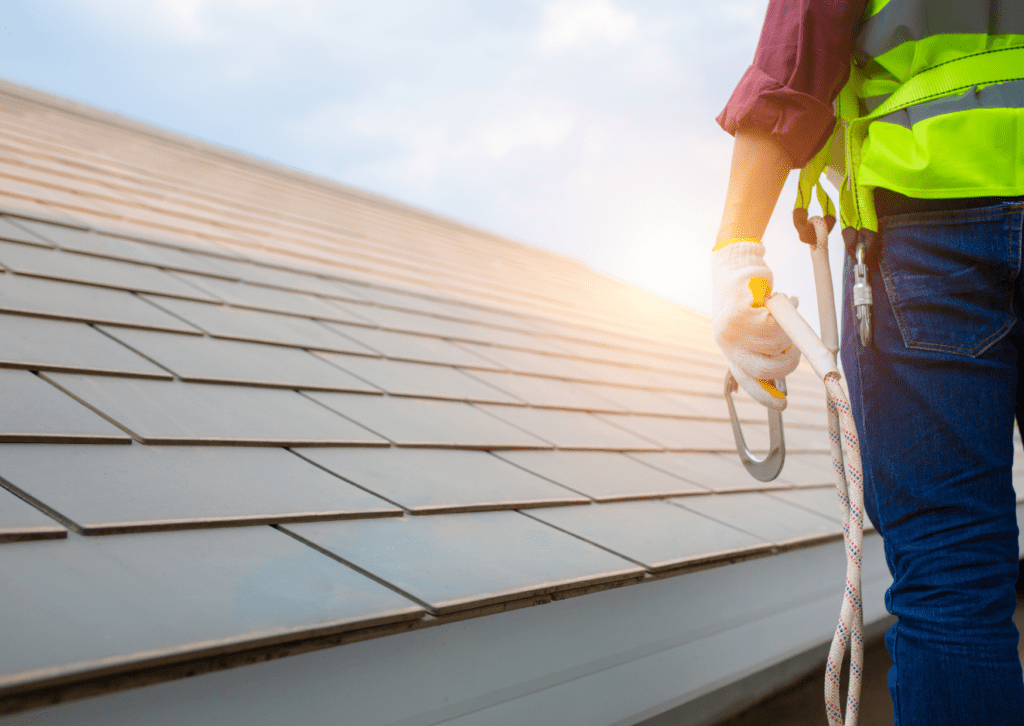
{"x":950,"y":276}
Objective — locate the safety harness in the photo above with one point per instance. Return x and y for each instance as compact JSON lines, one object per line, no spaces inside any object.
{"x":966,"y":74}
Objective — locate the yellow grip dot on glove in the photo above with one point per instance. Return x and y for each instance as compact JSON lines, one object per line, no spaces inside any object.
{"x":760,"y":290}
{"x":769,"y":386}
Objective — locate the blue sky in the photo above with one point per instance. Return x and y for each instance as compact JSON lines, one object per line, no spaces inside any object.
{"x":581,"y":126}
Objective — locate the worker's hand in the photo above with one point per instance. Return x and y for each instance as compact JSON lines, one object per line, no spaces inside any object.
{"x":756,"y":347}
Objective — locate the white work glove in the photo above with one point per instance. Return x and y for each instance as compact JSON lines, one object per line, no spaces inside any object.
{"x":757,"y":349}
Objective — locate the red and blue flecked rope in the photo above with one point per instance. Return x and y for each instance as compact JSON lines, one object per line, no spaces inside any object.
{"x":850,"y":487}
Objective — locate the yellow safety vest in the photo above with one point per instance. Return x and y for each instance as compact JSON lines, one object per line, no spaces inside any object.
{"x":933,"y":109}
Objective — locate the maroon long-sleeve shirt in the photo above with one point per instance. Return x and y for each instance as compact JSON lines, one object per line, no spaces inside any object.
{"x":801,"y":63}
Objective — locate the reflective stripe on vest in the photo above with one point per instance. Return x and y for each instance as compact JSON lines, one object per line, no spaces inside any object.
{"x":896,"y":22}
{"x":1004,"y":95}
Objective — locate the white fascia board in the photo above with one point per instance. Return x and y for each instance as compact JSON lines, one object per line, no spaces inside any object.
{"x":612,"y":657}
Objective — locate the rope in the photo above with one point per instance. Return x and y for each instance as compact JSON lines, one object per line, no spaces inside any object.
{"x":849,"y":475}
{"x":850,"y":487}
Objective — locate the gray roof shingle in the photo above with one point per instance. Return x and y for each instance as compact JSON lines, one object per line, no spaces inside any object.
{"x":58,"y":345}
{"x":20,"y":521}
{"x":432,"y":481}
{"x":175,"y":412}
{"x":214,"y":360}
{"x":452,"y":562}
{"x":130,"y":600}
{"x":33,"y":411}
{"x":150,"y":488}
{"x":604,"y":476}
{"x":64,"y":301}
{"x":654,"y":534}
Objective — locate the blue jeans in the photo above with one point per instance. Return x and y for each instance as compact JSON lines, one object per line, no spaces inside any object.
{"x":934,"y":397}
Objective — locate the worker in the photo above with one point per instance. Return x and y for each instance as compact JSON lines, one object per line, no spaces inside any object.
{"x":934,"y":203}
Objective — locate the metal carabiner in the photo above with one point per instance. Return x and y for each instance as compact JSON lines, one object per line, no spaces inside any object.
{"x":769,"y":467}
{"x":862,"y":298}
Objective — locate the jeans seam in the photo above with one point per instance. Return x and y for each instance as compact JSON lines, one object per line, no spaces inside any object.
{"x":894,"y":692}
{"x":1015,"y":244}
{"x":894,"y":298}
{"x":974,"y":352}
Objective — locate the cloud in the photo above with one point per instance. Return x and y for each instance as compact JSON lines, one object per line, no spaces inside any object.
{"x":180,"y":19}
{"x":198,"y":21}
{"x":744,"y":12}
{"x":577,"y":23}
{"x":422,"y":141}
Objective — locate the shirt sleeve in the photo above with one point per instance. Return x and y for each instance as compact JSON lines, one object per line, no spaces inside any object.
{"x":802,"y":62}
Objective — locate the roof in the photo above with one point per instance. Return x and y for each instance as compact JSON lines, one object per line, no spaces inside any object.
{"x":248,"y":412}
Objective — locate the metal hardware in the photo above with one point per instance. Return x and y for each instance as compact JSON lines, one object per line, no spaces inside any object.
{"x":769,"y":467}
{"x":862,"y":298}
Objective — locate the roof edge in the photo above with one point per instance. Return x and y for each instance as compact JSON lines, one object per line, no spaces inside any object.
{"x":166,"y":666}
{"x":499,"y":656}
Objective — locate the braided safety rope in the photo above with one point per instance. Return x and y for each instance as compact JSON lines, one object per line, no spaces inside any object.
{"x":849,"y":475}
{"x":850,"y":488}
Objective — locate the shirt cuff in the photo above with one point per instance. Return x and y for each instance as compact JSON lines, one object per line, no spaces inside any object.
{"x":800,"y":123}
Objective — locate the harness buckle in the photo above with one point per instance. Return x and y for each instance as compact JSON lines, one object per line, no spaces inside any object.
{"x":862,"y":298}
{"x":769,"y":467}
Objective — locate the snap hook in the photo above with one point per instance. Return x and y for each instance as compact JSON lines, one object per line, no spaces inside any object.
{"x":769,"y":467}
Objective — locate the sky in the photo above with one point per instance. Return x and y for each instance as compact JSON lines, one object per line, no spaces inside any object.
{"x":586,"y":127}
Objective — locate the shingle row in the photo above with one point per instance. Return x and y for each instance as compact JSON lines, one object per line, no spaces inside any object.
{"x":101,"y":259}
{"x":319,"y":433}
{"x":156,"y":597}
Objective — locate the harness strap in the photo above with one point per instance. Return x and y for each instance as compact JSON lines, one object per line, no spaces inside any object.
{"x":810,"y":179}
